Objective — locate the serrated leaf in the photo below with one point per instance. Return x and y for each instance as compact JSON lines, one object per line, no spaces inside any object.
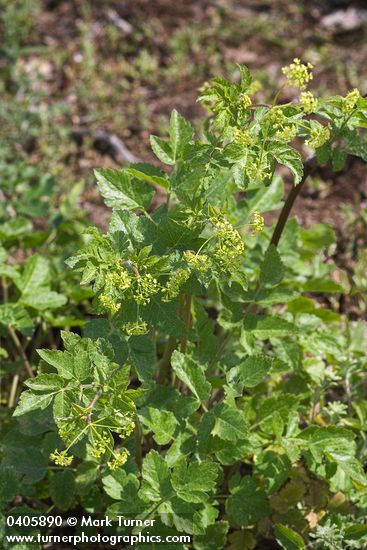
{"x":248,"y":503}
{"x":246,"y":77}
{"x":193,"y":481}
{"x":163,"y":424}
{"x":214,"y":537}
{"x":162,"y":150}
{"x":338,"y":159}
{"x":149,"y":173}
{"x":287,"y":538}
{"x":30,"y":401}
{"x":271,"y":268}
{"x":63,"y":361}
{"x":180,"y":131}
{"x":192,"y":375}
{"x":62,"y":489}
{"x":230,"y":423}
{"x":250,"y":372}
{"x":289,"y":157}
{"x":16,"y":316}
{"x":43,"y":299}
{"x":62,"y":405}
{"x":120,"y":190}
{"x":142,"y":356}
{"x":36,"y":274}
{"x":266,"y":326}
{"x":45,"y":383}
{"x":274,"y":468}
{"x":156,"y":485}
{"x":9,"y":485}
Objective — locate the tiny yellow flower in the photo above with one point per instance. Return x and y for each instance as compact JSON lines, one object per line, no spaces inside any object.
{"x":308,"y":102}
{"x":61,"y":458}
{"x":298,"y":74}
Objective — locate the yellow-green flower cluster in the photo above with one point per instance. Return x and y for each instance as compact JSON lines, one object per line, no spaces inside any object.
{"x":298,"y":74}
{"x":146,"y":287}
{"x":175,"y":283}
{"x":256,"y":172}
{"x":63,"y":430}
{"x":61,"y":458}
{"x":243,"y":137}
{"x":319,"y":135}
{"x":257,"y":222}
{"x":119,"y":459}
{"x":231,"y":245}
{"x":276,"y":117}
{"x":136,"y":328}
{"x":309,"y":102}
{"x":200,"y":262}
{"x":288,"y":133}
{"x":107,"y":302}
{"x":100,"y":447}
{"x":246,"y":101}
{"x":128,"y":429}
{"x":350,"y":101}
{"x":121,"y":280}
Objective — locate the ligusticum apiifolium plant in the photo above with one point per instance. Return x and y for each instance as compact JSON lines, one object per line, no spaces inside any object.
{"x":215,"y":392}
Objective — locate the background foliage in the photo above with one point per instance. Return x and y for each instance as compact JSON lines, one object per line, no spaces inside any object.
{"x":259,"y":438}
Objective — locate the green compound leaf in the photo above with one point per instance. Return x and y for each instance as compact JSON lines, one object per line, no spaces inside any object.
{"x":288,"y":539}
{"x":191,"y":374}
{"x":120,"y":190}
{"x":192,"y":482}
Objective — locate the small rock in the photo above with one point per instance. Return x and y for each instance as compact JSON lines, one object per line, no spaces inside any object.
{"x":346,"y":20}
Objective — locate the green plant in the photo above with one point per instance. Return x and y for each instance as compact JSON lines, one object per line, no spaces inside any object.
{"x":216,"y":394}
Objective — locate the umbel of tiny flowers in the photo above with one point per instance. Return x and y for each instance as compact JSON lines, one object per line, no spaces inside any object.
{"x":119,"y":459}
{"x":137,"y":328}
{"x":174,"y":284}
{"x":318,"y":136}
{"x":61,"y":458}
{"x":308,"y":102}
{"x":231,"y":245}
{"x":200,"y":262}
{"x":147,"y":286}
{"x":257,"y":222}
{"x":350,"y":101}
{"x":298,"y":74}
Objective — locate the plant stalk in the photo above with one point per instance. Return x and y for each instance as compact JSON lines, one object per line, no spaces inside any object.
{"x":20,"y":351}
{"x":309,"y":167}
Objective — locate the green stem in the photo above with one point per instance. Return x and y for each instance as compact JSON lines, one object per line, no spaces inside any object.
{"x":186,"y":317}
{"x":165,"y":362}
